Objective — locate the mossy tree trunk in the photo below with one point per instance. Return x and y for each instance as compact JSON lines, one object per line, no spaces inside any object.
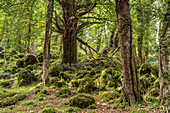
{"x":164,"y":59}
{"x":48,"y":32}
{"x":140,"y":32}
{"x":130,"y":78}
{"x":29,"y":9}
{"x":68,"y":26}
{"x":69,"y":36}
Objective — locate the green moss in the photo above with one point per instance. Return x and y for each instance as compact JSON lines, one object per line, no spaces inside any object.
{"x":21,"y":55}
{"x":92,"y":72}
{"x":74,"y":83}
{"x":64,"y":76}
{"x":144,"y":83}
{"x":81,"y":74}
{"x":109,"y":78}
{"x":40,"y":57}
{"x":44,"y":91}
{"x":25,"y":77}
{"x":93,"y":106}
{"x":60,"y":83}
{"x":12,"y":100}
{"x":81,"y":100}
{"x":55,"y":71}
{"x":73,"y":109}
{"x":5,"y":83}
{"x":154,"y":71}
{"x":20,"y":63}
{"x":30,"y":60}
{"x":108,"y":95}
{"x":145,"y":69}
{"x":53,"y":79}
{"x":156,"y":83}
{"x":49,"y":110}
{"x":30,"y":67}
{"x":1,"y":48}
{"x":63,"y":92}
{"x":86,"y":85}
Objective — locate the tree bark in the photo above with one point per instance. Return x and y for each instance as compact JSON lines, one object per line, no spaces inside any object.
{"x":48,"y":32}
{"x":130,"y":78}
{"x":28,"y":35}
{"x":69,"y":36}
{"x":141,"y":33}
{"x":164,"y":59}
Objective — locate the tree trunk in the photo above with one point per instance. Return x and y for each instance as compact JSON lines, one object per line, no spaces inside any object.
{"x":33,"y":47}
{"x":46,"y":51}
{"x":141,"y":34}
{"x":19,"y":42}
{"x":164,"y":60}
{"x":130,"y":78}
{"x":28,"y":36}
{"x":69,"y":36}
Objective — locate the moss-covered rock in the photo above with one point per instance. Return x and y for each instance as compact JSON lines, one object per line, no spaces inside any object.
{"x":74,"y":83}
{"x":154,"y":71}
{"x":12,"y":100}
{"x":55,"y":71}
{"x":30,"y":60}
{"x":64,"y":76}
{"x":13,"y":70}
{"x":156,"y":83}
{"x":145,"y":69}
{"x":52,"y":80}
{"x":86,"y":85}
{"x":108,"y":95}
{"x":81,"y":74}
{"x":60,"y":83}
{"x":30,"y":67}
{"x":81,"y":100}
{"x":5,"y":83}
{"x":63,"y":92}
{"x":49,"y":110}
{"x":25,"y":77}
{"x":1,"y":55}
{"x":93,"y":106}
{"x":20,"y":63}
{"x":109,"y":78}
{"x":1,"y":48}
{"x":21,"y":55}
{"x":144,"y":82}
{"x":40,"y":57}
{"x":73,"y":110}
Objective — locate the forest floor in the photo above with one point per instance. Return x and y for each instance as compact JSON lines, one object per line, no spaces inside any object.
{"x":34,"y":104}
{"x":91,"y":86}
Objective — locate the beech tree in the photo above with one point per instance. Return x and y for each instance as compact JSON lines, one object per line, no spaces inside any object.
{"x":130,"y":78}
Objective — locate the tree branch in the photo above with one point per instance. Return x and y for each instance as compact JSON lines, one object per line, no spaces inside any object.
{"x":86,"y":24}
{"x":88,"y":10}
{"x":85,"y":43}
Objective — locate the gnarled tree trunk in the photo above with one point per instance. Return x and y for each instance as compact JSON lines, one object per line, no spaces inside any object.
{"x":69,"y":36}
{"x":130,"y":78}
